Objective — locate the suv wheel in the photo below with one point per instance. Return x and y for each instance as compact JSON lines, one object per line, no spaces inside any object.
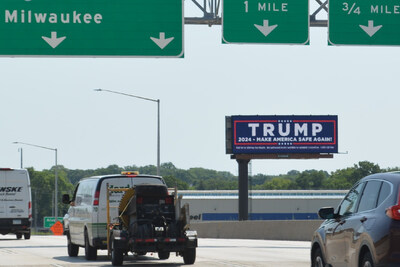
{"x":367,"y":260}
{"x":317,"y":260}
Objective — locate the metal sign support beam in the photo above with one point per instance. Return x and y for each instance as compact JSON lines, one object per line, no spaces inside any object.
{"x":243,"y":165}
{"x":212,"y":16}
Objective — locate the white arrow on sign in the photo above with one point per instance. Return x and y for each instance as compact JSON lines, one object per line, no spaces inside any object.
{"x":53,"y":41}
{"x":371,"y":29}
{"x":162,"y":42}
{"x":265,"y":28}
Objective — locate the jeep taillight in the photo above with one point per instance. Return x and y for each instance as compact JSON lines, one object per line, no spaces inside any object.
{"x":96,"y":198}
{"x":394,"y":211}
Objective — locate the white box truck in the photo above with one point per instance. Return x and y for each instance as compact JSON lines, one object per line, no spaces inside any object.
{"x":15,"y":202}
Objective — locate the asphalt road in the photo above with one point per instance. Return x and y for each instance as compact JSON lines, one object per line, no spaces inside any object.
{"x":52,"y":251}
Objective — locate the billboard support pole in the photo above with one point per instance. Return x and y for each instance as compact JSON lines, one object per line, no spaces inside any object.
{"x":243,"y":189}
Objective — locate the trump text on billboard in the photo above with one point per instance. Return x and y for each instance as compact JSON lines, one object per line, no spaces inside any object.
{"x":284,"y":134}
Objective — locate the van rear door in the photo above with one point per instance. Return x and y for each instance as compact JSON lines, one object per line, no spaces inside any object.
{"x":115,"y":197}
{"x":2,"y":195}
{"x":98,"y":228}
{"x":15,"y":194}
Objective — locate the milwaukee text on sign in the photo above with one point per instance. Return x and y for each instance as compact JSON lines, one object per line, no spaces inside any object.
{"x":140,"y":28}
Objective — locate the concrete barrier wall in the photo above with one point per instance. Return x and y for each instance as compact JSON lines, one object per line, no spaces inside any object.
{"x":293,"y":230}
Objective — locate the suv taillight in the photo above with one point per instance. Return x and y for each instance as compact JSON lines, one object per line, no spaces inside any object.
{"x":394,"y":211}
{"x":96,"y":198}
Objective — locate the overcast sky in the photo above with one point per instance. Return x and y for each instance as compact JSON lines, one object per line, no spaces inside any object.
{"x":51,"y":102}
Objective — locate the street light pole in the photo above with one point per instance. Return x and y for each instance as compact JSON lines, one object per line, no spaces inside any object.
{"x":20,"y":150}
{"x":158,"y":118}
{"x":56,"y":188}
{"x":55,"y":173}
{"x":158,"y":137}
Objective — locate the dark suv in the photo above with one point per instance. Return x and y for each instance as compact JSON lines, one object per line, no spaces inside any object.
{"x":364,"y":231}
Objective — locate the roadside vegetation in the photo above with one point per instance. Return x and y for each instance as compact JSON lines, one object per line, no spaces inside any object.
{"x":195,"y":179}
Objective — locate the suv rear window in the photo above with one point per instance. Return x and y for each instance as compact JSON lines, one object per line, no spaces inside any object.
{"x":385,"y":192}
{"x":370,"y":196}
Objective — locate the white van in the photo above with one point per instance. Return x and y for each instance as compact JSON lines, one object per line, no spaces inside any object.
{"x":15,"y":203}
{"x":85,"y":224}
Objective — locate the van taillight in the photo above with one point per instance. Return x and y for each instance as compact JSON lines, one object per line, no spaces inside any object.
{"x":168,"y":200}
{"x":96,"y":198}
{"x":394,"y":211}
{"x":30,"y":209}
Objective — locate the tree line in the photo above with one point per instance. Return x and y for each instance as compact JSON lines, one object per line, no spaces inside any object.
{"x":42,"y":182}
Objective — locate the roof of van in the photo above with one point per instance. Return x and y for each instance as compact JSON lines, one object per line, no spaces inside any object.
{"x":11,"y":169}
{"x":123,"y":175}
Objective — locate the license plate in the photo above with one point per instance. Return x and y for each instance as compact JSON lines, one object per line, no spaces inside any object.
{"x":16,"y":221}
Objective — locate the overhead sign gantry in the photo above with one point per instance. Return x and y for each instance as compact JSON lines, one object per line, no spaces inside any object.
{"x":154,"y":28}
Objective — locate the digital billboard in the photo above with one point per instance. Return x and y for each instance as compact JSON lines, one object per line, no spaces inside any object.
{"x":284,"y":134}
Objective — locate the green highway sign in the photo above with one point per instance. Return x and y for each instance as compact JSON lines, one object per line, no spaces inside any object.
{"x":99,"y":28}
{"x":49,"y":221}
{"x":364,"y":22}
{"x":274,"y":22}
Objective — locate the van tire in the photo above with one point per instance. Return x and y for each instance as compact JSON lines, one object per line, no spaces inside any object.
{"x":90,"y":252}
{"x":27,"y":235}
{"x":73,"y":249}
{"x":163,"y":255}
{"x":189,"y":255}
{"x":117,"y":255}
